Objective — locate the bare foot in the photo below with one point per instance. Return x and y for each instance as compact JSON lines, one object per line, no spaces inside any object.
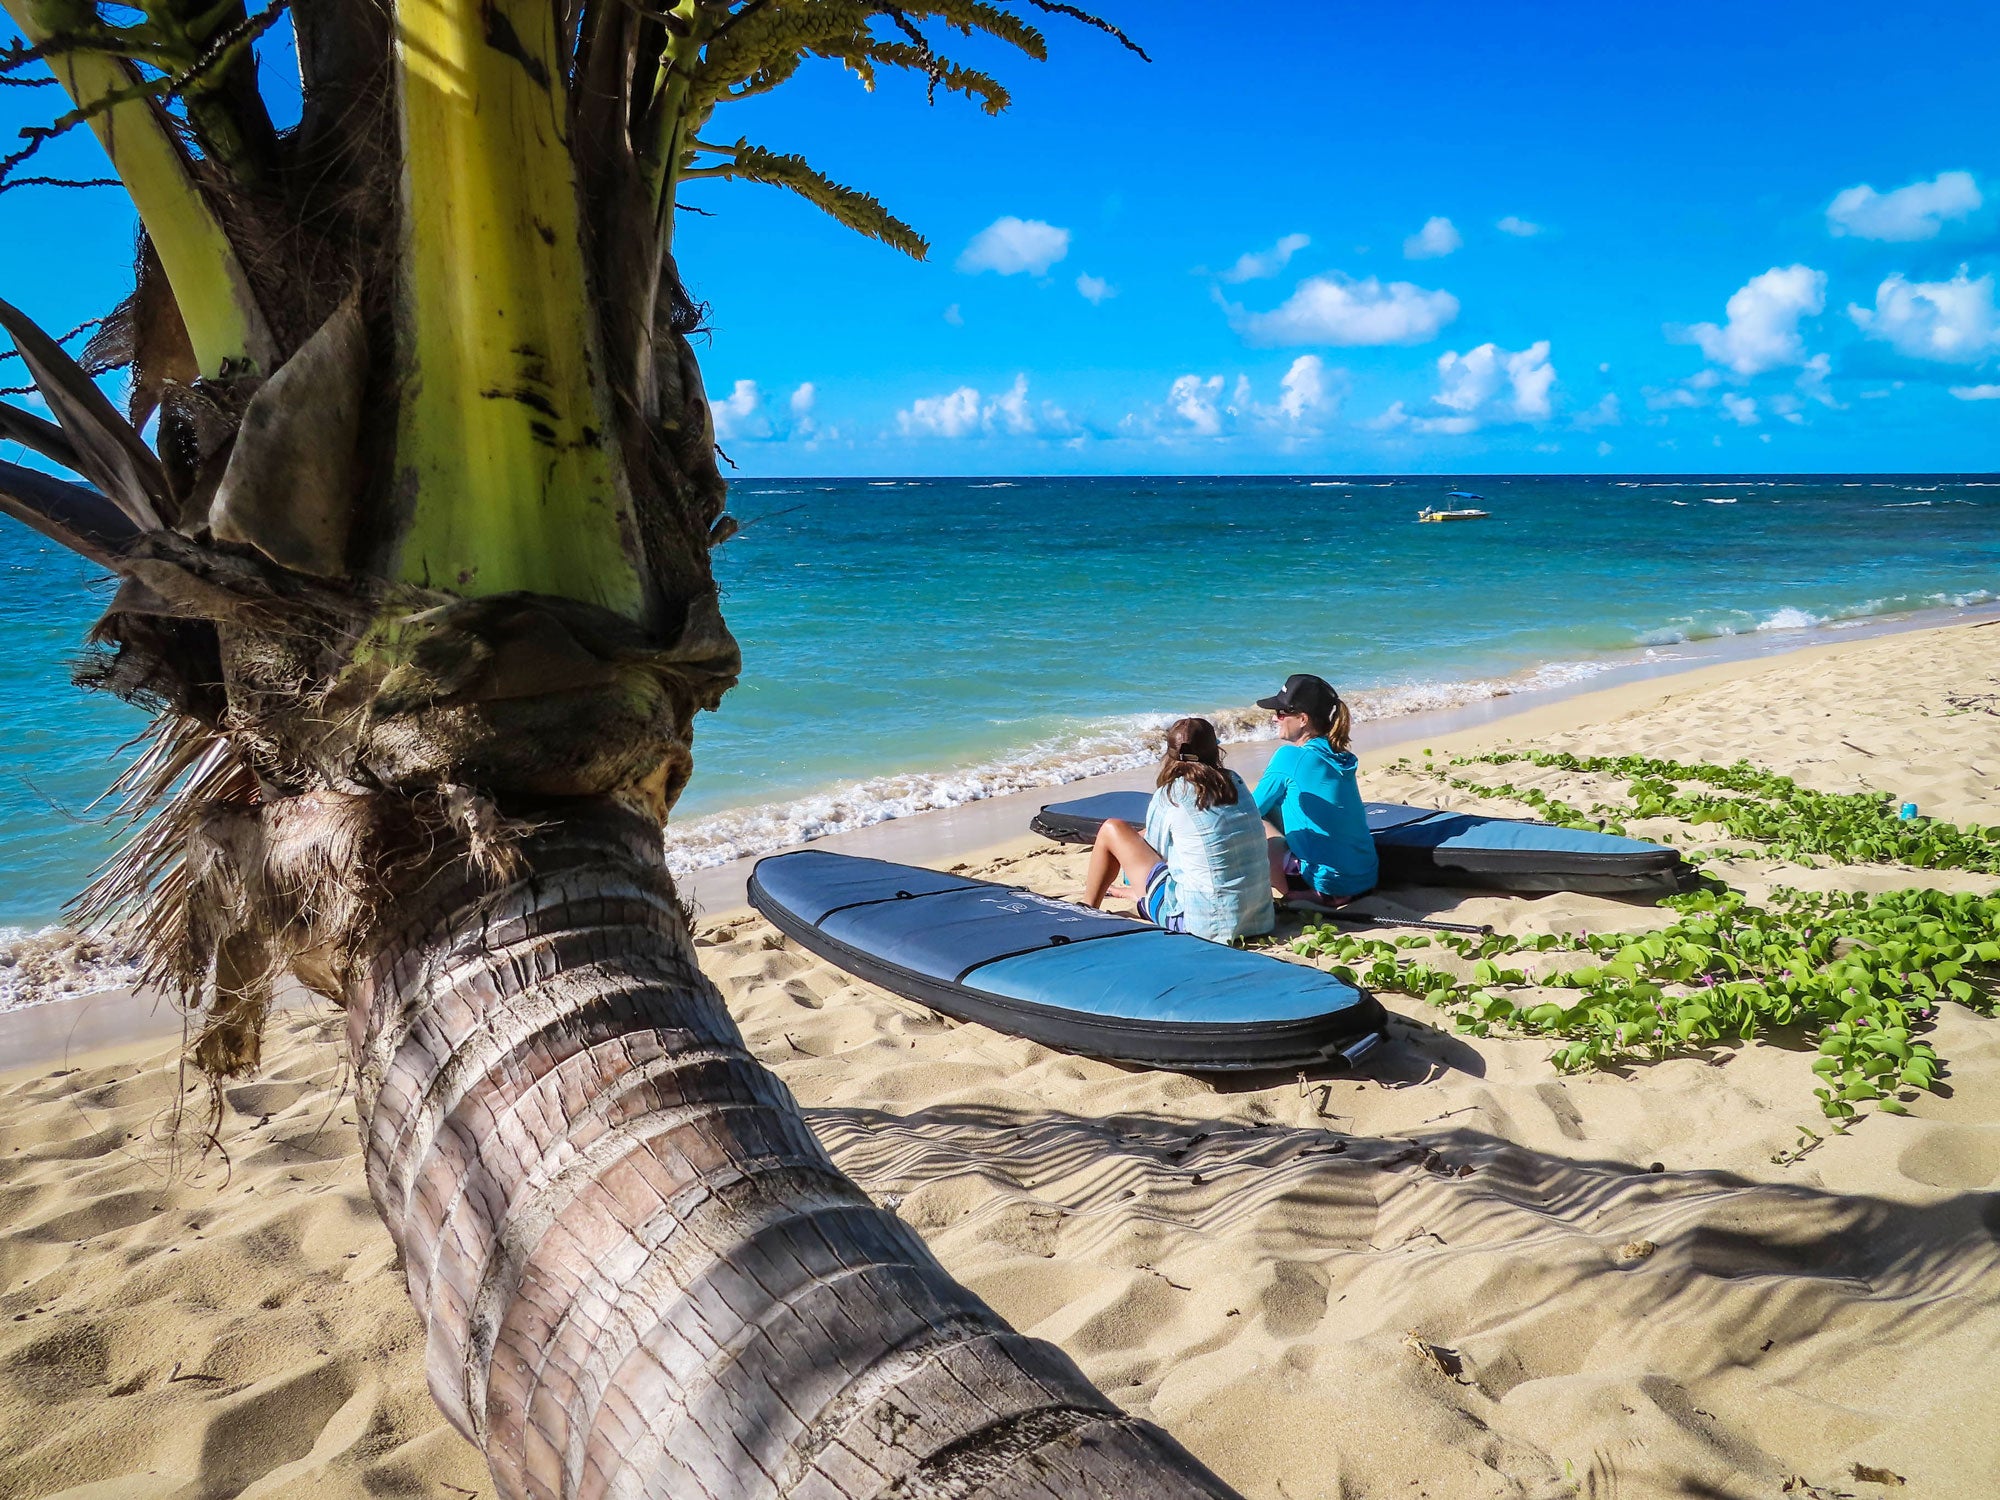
{"x":1317,"y":902}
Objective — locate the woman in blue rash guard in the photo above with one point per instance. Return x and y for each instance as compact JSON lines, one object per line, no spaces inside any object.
{"x":1310,"y":796}
{"x":1199,"y":864}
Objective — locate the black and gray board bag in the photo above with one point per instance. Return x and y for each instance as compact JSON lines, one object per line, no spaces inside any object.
{"x":1431,"y":846}
{"x":1064,"y":975}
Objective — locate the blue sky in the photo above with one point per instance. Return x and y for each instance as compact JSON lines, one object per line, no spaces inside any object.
{"x":1427,"y":237}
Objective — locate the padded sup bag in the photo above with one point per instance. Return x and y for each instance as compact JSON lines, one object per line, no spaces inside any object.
{"x":1061,"y":974}
{"x":1426,"y":846}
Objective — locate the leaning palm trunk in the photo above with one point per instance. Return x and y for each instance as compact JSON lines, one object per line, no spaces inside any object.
{"x":415,"y":577}
{"x":639,"y":1271}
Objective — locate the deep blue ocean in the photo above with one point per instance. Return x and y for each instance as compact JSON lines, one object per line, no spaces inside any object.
{"x":917,"y":643}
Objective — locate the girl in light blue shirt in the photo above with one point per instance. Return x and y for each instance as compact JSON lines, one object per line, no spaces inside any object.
{"x":1199,"y":864}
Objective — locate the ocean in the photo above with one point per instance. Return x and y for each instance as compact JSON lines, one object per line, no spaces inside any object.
{"x":913,"y":644}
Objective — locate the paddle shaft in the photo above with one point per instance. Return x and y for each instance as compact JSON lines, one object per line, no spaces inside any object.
{"x":1363,"y":919}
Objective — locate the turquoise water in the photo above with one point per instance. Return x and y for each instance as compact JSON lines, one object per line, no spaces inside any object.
{"x":913,"y":644}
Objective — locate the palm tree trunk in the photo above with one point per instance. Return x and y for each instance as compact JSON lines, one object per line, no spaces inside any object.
{"x":639,"y":1271}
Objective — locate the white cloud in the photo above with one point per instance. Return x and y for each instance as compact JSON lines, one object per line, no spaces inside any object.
{"x":802,"y":400}
{"x":1603,"y":449}
{"x":949,"y":416}
{"x":1094,"y":289}
{"x":1741,"y":409}
{"x":1605,"y":414}
{"x":964,"y":413}
{"x":1010,"y":245}
{"x":1520,"y":228}
{"x":1335,"y":310}
{"x":1450,"y":426}
{"x":1967,"y":392}
{"x":1389,"y":420}
{"x":737,"y":414}
{"x":1763,"y":328}
{"x":1308,"y":392}
{"x":1916,"y":212}
{"x":1953,"y":320}
{"x":1438,"y":237}
{"x":1193,"y":401}
{"x":1812,"y":382}
{"x":954,"y":317}
{"x":1305,"y":389}
{"x":1471,"y":384}
{"x":1670,"y":399}
{"x":1257,"y":265}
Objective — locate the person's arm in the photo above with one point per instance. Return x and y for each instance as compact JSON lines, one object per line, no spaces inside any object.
{"x":1272,"y":786}
{"x":1159,"y":832}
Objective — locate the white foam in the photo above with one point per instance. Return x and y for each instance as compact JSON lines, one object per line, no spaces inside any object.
{"x":55,"y":963}
{"x":1093,"y":749}
{"x":1790,"y":619}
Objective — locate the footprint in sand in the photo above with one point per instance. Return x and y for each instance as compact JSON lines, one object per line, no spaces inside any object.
{"x":1295,"y":1302}
{"x":1954,"y":1156}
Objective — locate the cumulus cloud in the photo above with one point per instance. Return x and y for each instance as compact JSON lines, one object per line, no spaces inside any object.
{"x":1763,"y":328}
{"x":1193,"y":400}
{"x":1259,"y":265}
{"x":1439,"y":236}
{"x":1304,"y":389}
{"x":1196,"y":406}
{"x":964,"y":413}
{"x":1010,"y":246}
{"x":743,"y":416}
{"x":1336,"y":310}
{"x":1606,"y":413}
{"x":951,"y":415}
{"x":739,"y":414}
{"x":1970,"y":392}
{"x":1392,"y":417}
{"x":1952,"y":321}
{"x":1520,"y":228}
{"x":1493,"y":384}
{"x":1094,"y":289}
{"x":1742,"y":409}
{"x":1916,"y":212}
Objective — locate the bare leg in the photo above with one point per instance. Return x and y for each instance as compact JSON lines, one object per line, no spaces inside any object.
{"x":1281,"y":886}
{"x":1118,"y":848}
{"x":1276,"y":847}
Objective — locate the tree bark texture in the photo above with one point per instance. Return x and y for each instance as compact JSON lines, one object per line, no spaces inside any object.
{"x":640,"y":1273}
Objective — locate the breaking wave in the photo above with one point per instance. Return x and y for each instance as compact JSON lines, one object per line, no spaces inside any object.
{"x":55,"y":963}
{"x":1092,"y":749}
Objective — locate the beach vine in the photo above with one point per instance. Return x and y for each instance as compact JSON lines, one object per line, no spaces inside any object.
{"x":1859,"y":976}
{"x":1743,"y":801}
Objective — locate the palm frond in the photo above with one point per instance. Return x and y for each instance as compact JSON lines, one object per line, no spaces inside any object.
{"x":850,"y":206}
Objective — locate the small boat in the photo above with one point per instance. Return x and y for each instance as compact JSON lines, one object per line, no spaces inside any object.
{"x":1427,"y":514}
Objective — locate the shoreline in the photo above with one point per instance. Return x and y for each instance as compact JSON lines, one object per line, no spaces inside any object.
{"x":724,"y":836}
{"x":66,"y":1026}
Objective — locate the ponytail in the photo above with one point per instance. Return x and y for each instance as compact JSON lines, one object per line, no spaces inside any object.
{"x":1335,"y":731}
{"x":1194,"y":755}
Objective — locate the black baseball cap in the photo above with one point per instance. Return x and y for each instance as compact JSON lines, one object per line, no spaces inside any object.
{"x":1305,"y":694}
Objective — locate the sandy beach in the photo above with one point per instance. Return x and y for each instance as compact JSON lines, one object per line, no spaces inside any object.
{"x":1462,"y":1275}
